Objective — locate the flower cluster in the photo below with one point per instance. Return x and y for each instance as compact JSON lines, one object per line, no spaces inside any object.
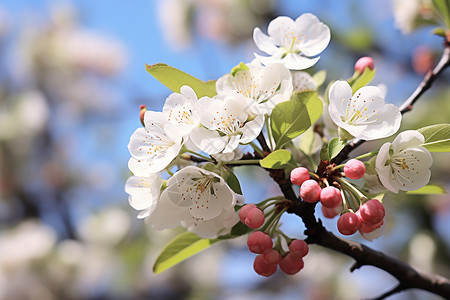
{"x":203,"y":132}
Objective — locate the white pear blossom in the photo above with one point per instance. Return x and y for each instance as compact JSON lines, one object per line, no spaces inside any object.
{"x":293,"y":43}
{"x":303,"y":82}
{"x":266,"y":86}
{"x":200,"y":200}
{"x":404,"y":164}
{"x":153,"y":148}
{"x":144,"y":193}
{"x":226,"y":124}
{"x":363,"y":115}
{"x":180,"y":112}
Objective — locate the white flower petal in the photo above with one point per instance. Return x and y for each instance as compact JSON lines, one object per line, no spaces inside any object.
{"x":209,"y":141}
{"x":280,"y":30}
{"x":407,"y":139}
{"x":294,"y":61}
{"x":143,"y":191}
{"x":264,"y":42}
{"x":317,"y":38}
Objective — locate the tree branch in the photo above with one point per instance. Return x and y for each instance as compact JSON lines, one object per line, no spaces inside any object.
{"x":426,"y":83}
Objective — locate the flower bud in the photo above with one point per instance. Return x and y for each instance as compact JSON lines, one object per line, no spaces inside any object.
{"x":258,"y":242}
{"x":363,"y":63}
{"x":348,"y":223}
{"x":255,"y":218}
{"x":142,"y":110}
{"x":262,"y":267}
{"x":290,"y":264}
{"x":330,"y":213}
{"x":299,"y":175}
{"x":354,"y":169}
{"x":272,"y":256}
{"x":243,"y":212}
{"x":371,"y":212}
{"x":330,"y":197}
{"x":310,"y":191}
{"x":298,"y":248}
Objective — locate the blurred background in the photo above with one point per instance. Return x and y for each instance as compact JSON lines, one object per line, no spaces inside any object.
{"x":72,"y":77}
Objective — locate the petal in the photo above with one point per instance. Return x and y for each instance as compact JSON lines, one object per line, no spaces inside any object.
{"x":410,"y":181}
{"x":143,"y":191}
{"x":188,"y":93}
{"x":280,"y":29}
{"x":340,"y":96}
{"x":317,"y":38}
{"x":252,"y":129}
{"x":208,"y":205}
{"x":388,"y":123}
{"x":384,"y":172}
{"x":209,"y":141}
{"x":294,"y":61}
{"x":264,"y":42}
{"x":382,"y":156}
{"x":224,"y":84}
{"x":302,"y":81}
{"x":304,"y":22}
{"x":407,"y":139}
{"x":139,"y":168}
{"x":232,"y":144}
{"x":166,"y":215}
{"x":154,"y":118}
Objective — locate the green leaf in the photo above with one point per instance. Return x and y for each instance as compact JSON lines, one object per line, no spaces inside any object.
{"x":437,"y":137}
{"x":335,"y":146}
{"x":310,"y":142}
{"x":180,"y":248}
{"x":174,"y":79}
{"x":443,"y":7}
{"x":278,"y":159}
{"x":370,"y":166}
{"x":363,"y":79}
{"x":440,"y":31}
{"x":319,"y":78}
{"x":240,"y":67}
{"x":291,"y":118}
{"x":324,"y":155}
{"x":233,"y":182}
{"x":429,"y":189}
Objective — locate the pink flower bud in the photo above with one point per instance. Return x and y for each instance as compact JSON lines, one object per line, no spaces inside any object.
{"x":363,"y":63}
{"x":272,"y":256}
{"x":371,"y":212}
{"x":348,"y":223}
{"x":354,"y":169}
{"x":255,"y":218}
{"x":243,"y":212}
{"x":330,"y":213}
{"x":298,"y":248}
{"x":310,"y":191}
{"x":290,"y":264}
{"x":258,"y":242}
{"x":369,"y":228}
{"x":142,"y":110}
{"x":262,"y":267}
{"x":299,"y":175}
{"x":330,"y":197}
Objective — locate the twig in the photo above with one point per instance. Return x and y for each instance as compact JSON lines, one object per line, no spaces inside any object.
{"x":263,"y":143}
{"x":397,"y":289}
{"x":426,"y":83}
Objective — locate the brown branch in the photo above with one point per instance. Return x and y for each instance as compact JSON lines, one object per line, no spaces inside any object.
{"x":426,"y":83}
{"x":262,"y":142}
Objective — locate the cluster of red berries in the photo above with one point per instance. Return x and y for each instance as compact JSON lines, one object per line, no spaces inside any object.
{"x":368,"y":218}
{"x":268,"y":259}
{"x":261,"y":243}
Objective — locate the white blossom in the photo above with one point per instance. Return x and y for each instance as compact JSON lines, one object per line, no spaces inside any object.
{"x":201,"y":200}
{"x":153,"y":148}
{"x":226,"y":124}
{"x":404,"y":164}
{"x":293,"y":43}
{"x":179,"y":110}
{"x":266,"y":86}
{"x":363,"y":115}
{"x":144,"y":193}
{"x":303,"y":82}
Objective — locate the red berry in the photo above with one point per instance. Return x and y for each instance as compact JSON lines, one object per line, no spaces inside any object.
{"x":299,"y":175}
{"x":348,"y":223}
{"x":369,"y":228}
{"x":330,"y":197}
{"x":263,"y":268}
{"x":243,"y":212}
{"x":363,"y":63}
{"x":272,"y":256}
{"x":255,"y":218}
{"x":330,"y":213}
{"x":290,"y":264}
{"x":298,"y":248}
{"x":258,"y":242}
{"x":371,"y":212}
{"x":310,"y":191}
{"x":354,"y":169}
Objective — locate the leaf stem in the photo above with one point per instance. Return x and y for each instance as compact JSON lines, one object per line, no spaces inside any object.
{"x":198,"y":154}
{"x":256,"y":148}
